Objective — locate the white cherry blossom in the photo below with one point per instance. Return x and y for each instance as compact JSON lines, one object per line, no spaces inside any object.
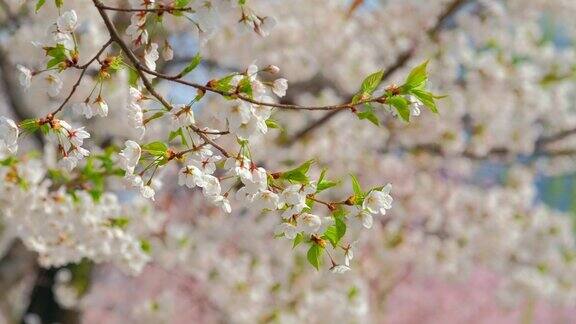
{"x":25,"y":76}
{"x":8,"y":135}
{"x":378,"y":201}
{"x":68,"y":22}
{"x":280,"y":86}
{"x":129,"y":156}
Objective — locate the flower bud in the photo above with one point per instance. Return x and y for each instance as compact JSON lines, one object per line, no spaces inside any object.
{"x":272,"y":69}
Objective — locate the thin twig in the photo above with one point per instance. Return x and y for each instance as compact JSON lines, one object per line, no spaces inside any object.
{"x":209,"y":141}
{"x":400,"y":62}
{"x":84,"y":68}
{"x":117,"y":39}
{"x":154,"y":10}
{"x":177,"y":79}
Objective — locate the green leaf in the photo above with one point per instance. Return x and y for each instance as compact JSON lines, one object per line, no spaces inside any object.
{"x":58,"y":54}
{"x":192,"y":65}
{"x":353,"y":292}
{"x":427,"y":98}
{"x":402,"y":106}
{"x":245,"y":86}
{"x":155,"y":148}
{"x":45,"y":129}
{"x":81,"y":274}
{"x":369,"y":114}
{"x":339,"y":212}
{"x":39,"y":4}
{"x":146,"y":246}
{"x":30,"y":125}
{"x":299,"y":174}
{"x":417,"y":77}
{"x":224,"y":83}
{"x":336,"y":232}
{"x":314,"y":255}
{"x":9,"y":161}
{"x":155,"y":116}
{"x":298,"y":239}
{"x":340,"y":226}
{"x":371,"y":82}
{"x":181,"y":3}
{"x":133,"y":77}
{"x":120,"y":222}
{"x":59,"y":3}
{"x":178,"y":133}
{"x":324,"y":184}
{"x":116,"y":63}
{"x":356,"y":186}
{"x":331,"y":235}
{"x":295,"y":177}
{"x":359,"y":97}
{"x":271,"y":123}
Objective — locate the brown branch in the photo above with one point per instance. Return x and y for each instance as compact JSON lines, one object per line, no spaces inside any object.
{"x":131,"y":56}
{"x":159,"y":10}
{"x":547,"y":140}
{"x":209,"y":141}
{"x":139,"y":68}
{"x":207,"y":88}
{"x":400,"y":62}
{"x":353,"y":7}
{"x":501,"y":153}
{"x":84,"y":68}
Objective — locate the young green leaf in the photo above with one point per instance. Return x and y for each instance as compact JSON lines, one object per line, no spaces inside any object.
{"x":331,"y":235}
{"x":299,"y":174}
{"x":427,"y":98}
{"x":297,"y":240}
{"x":192,"y":65}
{"x":224,"y":83}
{"x":178,"y":133}
{"x":30,"y":125}
{"x":146,"y":246}
{"x":340,"y":226}
{"x":155,"y":148}
{"x":323,"y":183}
{"x":369,"y":114}
{"x":181,"y":3}
{"x":133,"y":77}
{"x":245,"y":86}
{"x":314,"y":255}
{"x":39,"y":4}
{"x":334,"y":233}
{"x":45,"y":129}
{"x":372,"y":82}
{"x":417,"y":77}
{"x":116,"y":64}
{"x":58,"y":55}
{"x":119,"y":222}
{"x":401,"y":104}
{"x":356,"y":186}
{"x":271,"y":123}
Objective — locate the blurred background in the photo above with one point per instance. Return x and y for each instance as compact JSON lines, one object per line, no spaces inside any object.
{"x":482,"y":225}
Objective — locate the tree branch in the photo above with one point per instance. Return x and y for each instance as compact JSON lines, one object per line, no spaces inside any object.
{"x":84,"y":68}
{"x":400,"y":62}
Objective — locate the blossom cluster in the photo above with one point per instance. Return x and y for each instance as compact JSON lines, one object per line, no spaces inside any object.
{"x":200,"y":152}
{"x":64,"y":228}
{"x":505,"y":66}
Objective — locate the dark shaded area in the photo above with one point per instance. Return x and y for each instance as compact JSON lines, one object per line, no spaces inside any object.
{"x":43,"y":302}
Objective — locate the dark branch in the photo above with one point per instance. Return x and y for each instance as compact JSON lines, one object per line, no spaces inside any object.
{"x":399,"y":63}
